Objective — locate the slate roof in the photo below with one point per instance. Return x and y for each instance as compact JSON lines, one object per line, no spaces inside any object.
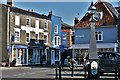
{"x":26,"y":12}
{"x":66,"y":26}
{"x":112,"y":9}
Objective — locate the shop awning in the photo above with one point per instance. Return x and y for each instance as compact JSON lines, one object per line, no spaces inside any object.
{"x":20,"y":46}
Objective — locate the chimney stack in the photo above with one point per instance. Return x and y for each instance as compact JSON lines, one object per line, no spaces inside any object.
{"x":50,"y":14}
{"x":76,"y":21}
{"x":10,"y":2}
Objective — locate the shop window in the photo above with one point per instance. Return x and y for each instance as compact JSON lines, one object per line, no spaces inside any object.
{"x":56,"y":55}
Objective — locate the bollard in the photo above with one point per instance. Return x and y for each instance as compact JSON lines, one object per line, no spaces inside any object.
{"x":119,"y":72}
{"x":59,"y":73}
{"x":85,"y":72}
{"x":56,"y":73}
{"x":115,"y":73}
{"x":72,"y":69}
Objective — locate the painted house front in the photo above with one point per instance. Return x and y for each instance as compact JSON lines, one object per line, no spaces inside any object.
{"x":27,"y":32}
{"x":66,"y":42}
{"x":105,"y":31}
{"x":55,"y":39}
{"x":106,"y":38}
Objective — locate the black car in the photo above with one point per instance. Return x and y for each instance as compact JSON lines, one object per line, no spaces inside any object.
{"x":108,"y":61}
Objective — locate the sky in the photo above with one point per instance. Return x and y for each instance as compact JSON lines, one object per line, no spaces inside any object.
{"x":66,"y":10}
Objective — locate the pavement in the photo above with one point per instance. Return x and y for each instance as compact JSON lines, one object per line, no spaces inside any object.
{"x":9,"y":68}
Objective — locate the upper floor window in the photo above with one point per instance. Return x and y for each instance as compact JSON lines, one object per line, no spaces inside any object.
{"x":17,"y":36}
{"x":28,"y":22}
{"x":45,"y":38}
{"x":37,"y":23}
{"x":99,"y":36}
{"x":36,"y":38}
{"x":17,"y":20}
{"x":57,"y":40}
{"x":56,"y":29}
{"x":46,"y":25}
{"x":64,"y":36}
{"x":27,"y":37}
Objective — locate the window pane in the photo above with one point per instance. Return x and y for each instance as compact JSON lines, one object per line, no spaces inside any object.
{"x":27,"y":21}
{"x":17,"y":20}
{"x":56,"y":29}
{"x":100,"y":37}
{"x":45,"y":37}
{"x":55,"y":40}
{"x":17,"y":36}
{"x":46,"y":25}
{"x":56,"y":55}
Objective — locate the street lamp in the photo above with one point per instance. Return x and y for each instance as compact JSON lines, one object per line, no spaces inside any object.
{"x":73,"y":42}
{"x":93,"y":56}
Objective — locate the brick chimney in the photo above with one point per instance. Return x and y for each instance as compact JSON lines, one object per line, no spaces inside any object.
{"x":10,"y":2}
{"x":76,"y":21}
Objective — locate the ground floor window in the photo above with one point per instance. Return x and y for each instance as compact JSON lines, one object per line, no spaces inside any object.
{"x":56,"y":55}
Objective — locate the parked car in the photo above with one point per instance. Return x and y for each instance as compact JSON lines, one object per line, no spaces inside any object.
{"x":107,"y":61}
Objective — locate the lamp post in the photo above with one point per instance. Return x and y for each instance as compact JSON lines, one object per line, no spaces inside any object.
{"x":73,"y":35}
{"x":93,"y":56}
{"x":10,"y":55}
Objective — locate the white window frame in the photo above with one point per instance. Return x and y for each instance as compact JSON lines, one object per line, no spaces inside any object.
{"x":64,"y":36}
{"x":29,"y":22}
{"x":37,"y":38}
{"x":58,"y":42}
{"x":98,"y":34}
{"x":37,"y":23}
{"x":17,"y":20}
{"x":17,"y":36}
{"x":28,"y":38}
{"x":56,"y":31}
{"x":46,"y":24}
{"x":46,"y":42}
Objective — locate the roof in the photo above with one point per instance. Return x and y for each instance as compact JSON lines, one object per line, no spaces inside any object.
{"x":112,"y":9}
{"x":66,"y":26}
{"x":26,"y":12}
{"x":118,"y":9}
{"x":107,"y":8}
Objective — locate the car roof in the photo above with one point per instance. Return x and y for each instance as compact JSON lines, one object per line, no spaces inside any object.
{"x":108,"y":53}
